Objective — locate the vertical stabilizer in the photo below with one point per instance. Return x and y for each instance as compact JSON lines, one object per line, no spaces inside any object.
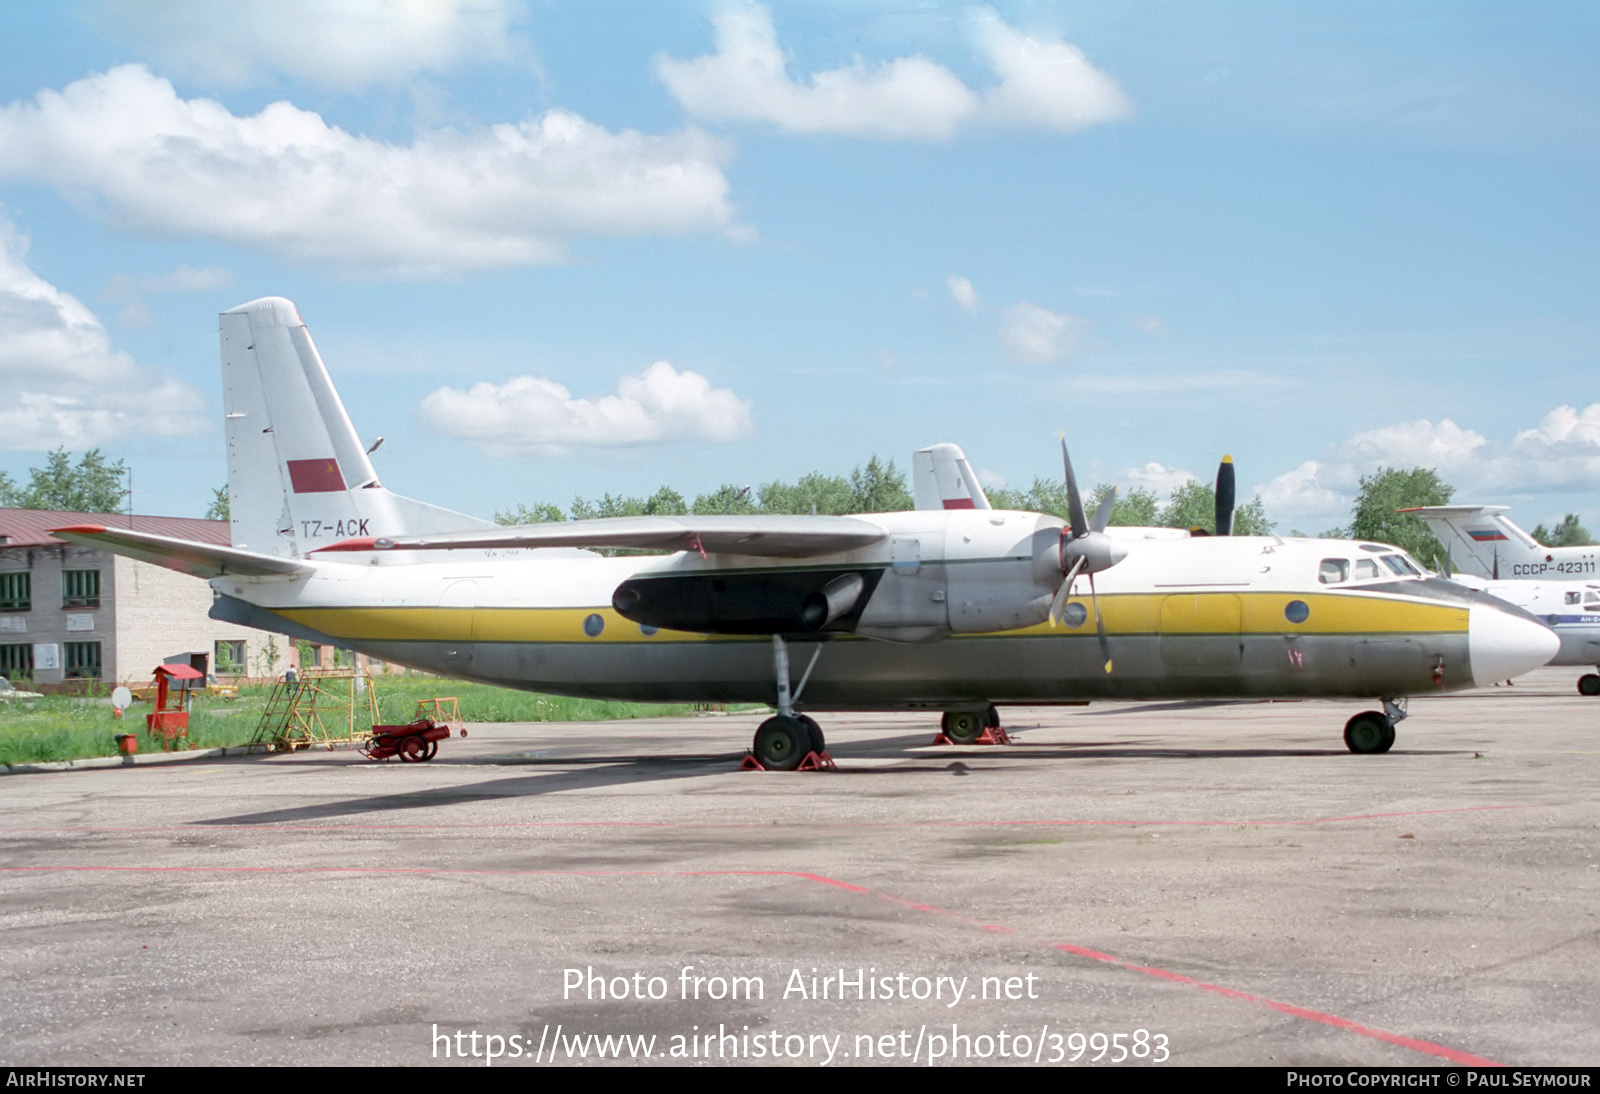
{"x":298,"y":476}
{"x":1482,"y":541}
{"x":941,"y":478}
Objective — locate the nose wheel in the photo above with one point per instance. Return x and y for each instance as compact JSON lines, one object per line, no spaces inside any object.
{"x":1372,"y":731}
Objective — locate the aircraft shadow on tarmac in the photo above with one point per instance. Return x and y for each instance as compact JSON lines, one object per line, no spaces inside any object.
{"x":594,"y":772}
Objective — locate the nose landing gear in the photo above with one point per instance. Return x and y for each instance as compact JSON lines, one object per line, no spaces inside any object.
{"x":1372,"y":731}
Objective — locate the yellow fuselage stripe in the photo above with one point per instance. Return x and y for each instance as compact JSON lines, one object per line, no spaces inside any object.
{"x":1125,"y":614}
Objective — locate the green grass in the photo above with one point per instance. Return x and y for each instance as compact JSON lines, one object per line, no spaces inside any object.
{"x":62,"y":728}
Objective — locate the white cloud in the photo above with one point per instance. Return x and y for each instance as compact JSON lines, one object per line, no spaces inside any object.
{"x":286,"y":182}
{"x":1561,"y":452}
{"x":1312,"y":490}
{"x":129,"y":292}
{"x":63,"y":384}
{"x":1446,"y":446}
{"x":1037,"y":336}
{"x":962,"y":292}
{"x":346,"y":44}
{"x":1044,"y":83}
{"x":528,"y":416}
{"x":1156,"y":478}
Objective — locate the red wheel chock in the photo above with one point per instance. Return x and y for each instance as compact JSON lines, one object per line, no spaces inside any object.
{"x":991,"y":735}
{"x":813,"y":761}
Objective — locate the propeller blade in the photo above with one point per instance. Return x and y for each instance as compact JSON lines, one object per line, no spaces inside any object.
{"x":1225,"y":497}
{"x":1058,"y":606}
{"x":1080,"y":524}
{"x":1100,"y":624}
{"x":1102,"y":515}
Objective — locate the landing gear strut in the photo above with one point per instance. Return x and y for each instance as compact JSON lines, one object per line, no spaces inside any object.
{"x":788,"y":741}
{"x":1372,"y":731}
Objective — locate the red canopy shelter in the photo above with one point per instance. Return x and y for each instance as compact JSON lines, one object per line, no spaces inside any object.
{"x":169,"y":720}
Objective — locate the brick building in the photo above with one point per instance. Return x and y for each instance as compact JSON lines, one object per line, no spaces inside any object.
{"x":70,"y":612}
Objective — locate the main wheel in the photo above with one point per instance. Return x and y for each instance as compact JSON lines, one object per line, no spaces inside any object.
{"x":962,"y":726}
{"x":819,"y":744}
{"x":1369,"y":732}
{"x":433,"y":750}
{"x":1589,"y":684}
{"x":413,"y":750}
{"x":781,"y":743}
{"x":991,"y":717}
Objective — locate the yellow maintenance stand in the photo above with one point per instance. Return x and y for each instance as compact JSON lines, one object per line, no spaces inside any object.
{"x":324,"y":707}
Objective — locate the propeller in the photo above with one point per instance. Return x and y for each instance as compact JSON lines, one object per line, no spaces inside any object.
{"x":1085,"y":548}
{"x":1225,"y":497}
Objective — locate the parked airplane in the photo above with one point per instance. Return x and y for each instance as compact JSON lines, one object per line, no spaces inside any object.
{"x":1501,"y":559}
{"x":1484,"y":542}
{"x":950,"y":610}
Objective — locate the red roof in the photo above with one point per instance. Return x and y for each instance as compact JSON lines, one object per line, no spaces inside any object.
{"x":181,"y":672}
{"x":31,"y":527}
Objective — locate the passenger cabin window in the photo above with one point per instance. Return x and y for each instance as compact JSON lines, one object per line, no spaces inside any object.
{"x":1366,"y":569}
{"x":1333,"y":571}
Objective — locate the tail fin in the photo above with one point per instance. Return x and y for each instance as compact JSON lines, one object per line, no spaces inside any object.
{"x":942,"y":478}
{"x":298,"y":477}
{"x":1480,"y":539}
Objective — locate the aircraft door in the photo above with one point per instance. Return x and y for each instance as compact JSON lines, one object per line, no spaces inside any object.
{"x":1202,"y":631}
{"x":453,"y":625}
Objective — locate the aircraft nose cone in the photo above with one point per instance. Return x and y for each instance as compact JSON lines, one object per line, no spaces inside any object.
{"x":1503,"y":643}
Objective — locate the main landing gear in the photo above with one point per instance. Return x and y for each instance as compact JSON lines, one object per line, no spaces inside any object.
{"x":1372,"y":731}
{"x":788,"y":741}
{"x":970,"y":727}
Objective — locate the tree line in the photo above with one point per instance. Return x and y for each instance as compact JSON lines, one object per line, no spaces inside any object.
{"x":95,"y":484}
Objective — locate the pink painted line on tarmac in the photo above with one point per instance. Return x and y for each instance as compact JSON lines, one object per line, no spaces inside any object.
{"x":1429,"y":1048}
{"x":715,"y":825}
{"x":1455,"y":1056}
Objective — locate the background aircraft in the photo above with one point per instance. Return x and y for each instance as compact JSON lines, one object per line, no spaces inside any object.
{"x":1496,"y":556}
{"x":949,"y":609}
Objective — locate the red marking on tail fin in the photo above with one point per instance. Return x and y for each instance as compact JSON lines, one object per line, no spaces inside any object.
{"x":315,"y":476}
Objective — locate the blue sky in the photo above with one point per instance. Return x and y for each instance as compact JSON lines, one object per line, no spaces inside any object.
{"x":555,"y":249}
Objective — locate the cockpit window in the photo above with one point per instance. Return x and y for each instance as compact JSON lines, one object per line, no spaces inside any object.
{"x":1574,"y":598}
{"x":1333,"y":571}
{"x":1401,"y":566}
{"x":1366,"y":568}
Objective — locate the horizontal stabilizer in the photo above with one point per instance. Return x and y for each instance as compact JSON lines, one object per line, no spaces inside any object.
{"x":205,"y":560}
{"x":1455,"y":510}
{"x":759,"y":536}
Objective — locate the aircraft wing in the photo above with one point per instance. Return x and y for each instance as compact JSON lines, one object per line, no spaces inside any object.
{"x":760,"y":536}
{"x":205,"y":560}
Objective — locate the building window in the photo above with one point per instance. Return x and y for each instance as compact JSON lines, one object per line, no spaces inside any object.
{"x":80,"y":588}
{"x":16,"y":662}
{"x":229,"y":658}
{"x":83,"y":660}
{"x":16,"y":592}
